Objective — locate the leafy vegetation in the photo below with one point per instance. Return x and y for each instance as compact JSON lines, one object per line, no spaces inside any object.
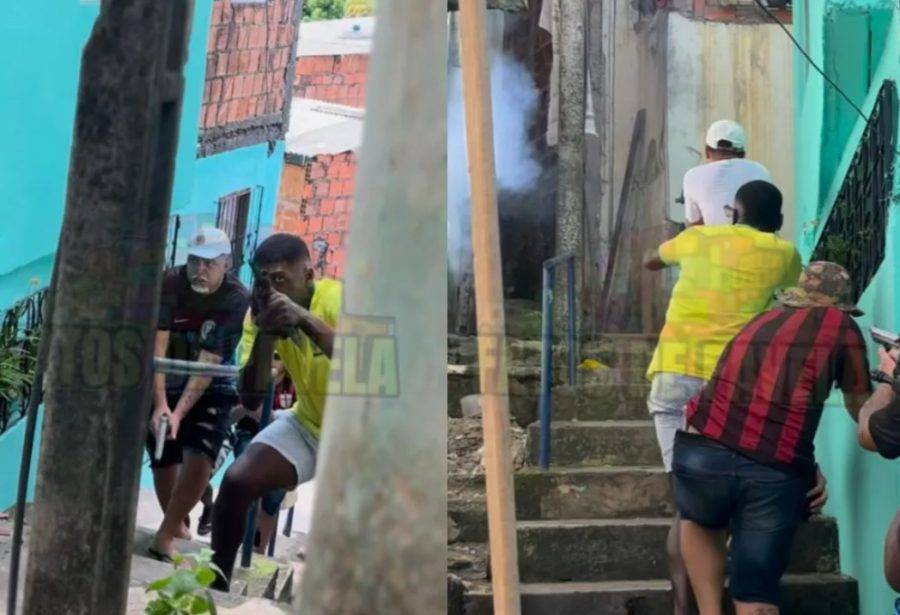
{"x":18,"y":359}
{"x":315,"y":10}
{"x":185,"y":591}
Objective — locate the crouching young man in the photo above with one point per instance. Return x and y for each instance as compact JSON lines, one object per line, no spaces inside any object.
{"x":746,"y":460}
{"x":298,"y":321}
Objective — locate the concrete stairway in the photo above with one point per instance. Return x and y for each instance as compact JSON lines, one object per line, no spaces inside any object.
{"x":591,"y":530}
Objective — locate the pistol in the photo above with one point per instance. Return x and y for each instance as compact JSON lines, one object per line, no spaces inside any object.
{"x":890,"y":341}
{"x":885,"y":338}
{"x":161,"y":433}
{"x":259,"y":300}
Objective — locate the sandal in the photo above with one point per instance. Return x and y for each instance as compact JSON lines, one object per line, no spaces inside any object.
{"x":159,"y":556}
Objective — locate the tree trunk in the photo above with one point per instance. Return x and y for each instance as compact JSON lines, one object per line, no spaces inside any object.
{"x":110,"y":263}
{"x":378,"y":542}
{"x":570,"y":196}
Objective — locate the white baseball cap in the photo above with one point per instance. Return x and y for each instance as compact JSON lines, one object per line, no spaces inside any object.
{"x":726,"y":130}
{"x":209,"y":242}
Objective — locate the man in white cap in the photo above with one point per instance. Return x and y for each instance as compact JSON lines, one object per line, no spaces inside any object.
{"x":201,"y":316}
{"x":710,"y":188}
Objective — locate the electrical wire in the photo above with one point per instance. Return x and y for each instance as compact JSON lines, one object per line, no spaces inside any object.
{"x":811,"y":62}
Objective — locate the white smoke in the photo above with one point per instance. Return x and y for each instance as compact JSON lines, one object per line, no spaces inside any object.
{"x":514,"y":99}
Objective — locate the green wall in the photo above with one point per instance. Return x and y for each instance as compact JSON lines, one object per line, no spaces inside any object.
{"x":858,"y":44}
{"x":40,"y":73}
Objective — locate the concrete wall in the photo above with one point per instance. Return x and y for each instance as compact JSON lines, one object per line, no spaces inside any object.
{"x":858,"y":43}
{"x":736,"y":71}
{"x":36,"y":139}
{"x":37,"y":132}
{"x":633,"y":50}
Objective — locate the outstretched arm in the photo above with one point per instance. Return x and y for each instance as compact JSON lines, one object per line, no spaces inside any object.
{"x":652,"y":260}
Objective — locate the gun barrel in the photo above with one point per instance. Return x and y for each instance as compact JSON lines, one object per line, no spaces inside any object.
{"x":161,"y":433}
{"x":885,"y":337}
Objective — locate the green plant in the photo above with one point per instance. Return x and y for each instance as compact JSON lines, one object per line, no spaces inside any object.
{"x":18,"y":359}
{"x":185,"y":591}
{"x":314,"y":10}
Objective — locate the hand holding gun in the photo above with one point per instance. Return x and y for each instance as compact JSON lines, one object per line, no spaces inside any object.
{"x":261,"y":297}
{"x":891,"y":343}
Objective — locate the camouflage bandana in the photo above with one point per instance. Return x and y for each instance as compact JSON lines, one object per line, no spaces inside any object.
{"x":822,"y":284}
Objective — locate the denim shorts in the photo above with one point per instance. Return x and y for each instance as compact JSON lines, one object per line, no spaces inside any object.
{"x":760,"y":505}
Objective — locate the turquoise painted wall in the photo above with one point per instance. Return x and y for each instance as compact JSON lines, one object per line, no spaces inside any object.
{"x":43,"y":59}
{"x":40,"y":75}
{"x":858,"y":43}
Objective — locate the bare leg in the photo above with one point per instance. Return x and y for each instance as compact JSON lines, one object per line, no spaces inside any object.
{"x":682,"y":595}
{"x":755,"y":608}
{"x":192,"y":480}
{"x":704,"y":558}
{"x":266,"y":526}
{"x":164,"y":481}
{"x":257,"y":471}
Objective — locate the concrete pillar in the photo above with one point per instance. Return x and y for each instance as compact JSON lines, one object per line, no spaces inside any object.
{"x":570,"y":49}
{"x":378,"y":541}
{"x":97,"y":387}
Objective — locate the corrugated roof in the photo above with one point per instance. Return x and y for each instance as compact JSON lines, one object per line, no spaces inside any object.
{"x":336,"y":37}
{"x":323,"y":128}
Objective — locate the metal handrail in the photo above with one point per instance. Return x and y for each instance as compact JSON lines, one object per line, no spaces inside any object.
{"x":545,"y":407}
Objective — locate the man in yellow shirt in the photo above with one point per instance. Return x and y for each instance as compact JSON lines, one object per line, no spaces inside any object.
{"x":729,"y":275}
{"x":298,"y":321}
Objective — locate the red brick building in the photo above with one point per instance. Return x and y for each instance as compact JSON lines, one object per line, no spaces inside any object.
{"x":249,"y":60}
{"x":316,"y":196}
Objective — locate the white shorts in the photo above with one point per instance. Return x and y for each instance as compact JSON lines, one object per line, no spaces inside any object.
{"x":669,"y":394}
{"x":293,"y":442}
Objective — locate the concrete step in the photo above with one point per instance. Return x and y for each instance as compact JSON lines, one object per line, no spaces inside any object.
{"x":623,"y":350}
{"x":594,"y":401}
{"x":598,"y":443}
{"x":524,"y":388}
{"x":812,"y":594}
{"x":598,"y":402}
{"x":564,"y":493}
{"x":265,"y":578}
{"x":634,"y":549}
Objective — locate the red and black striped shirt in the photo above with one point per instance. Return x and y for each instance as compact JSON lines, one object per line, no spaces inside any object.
{"x":766,"y":396}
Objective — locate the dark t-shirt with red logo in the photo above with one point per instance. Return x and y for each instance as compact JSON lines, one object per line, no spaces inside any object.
{"x":198,"y":322}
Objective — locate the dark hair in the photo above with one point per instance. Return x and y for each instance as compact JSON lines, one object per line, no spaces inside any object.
{"x":280,"y":248}
{"x":762,"y":205}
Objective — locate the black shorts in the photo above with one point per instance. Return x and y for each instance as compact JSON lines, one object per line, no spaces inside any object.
{"x":202,"y":431}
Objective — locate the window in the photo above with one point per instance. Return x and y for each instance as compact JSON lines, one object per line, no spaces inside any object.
{"x":234,"y":211}
{"x":854,"y":233}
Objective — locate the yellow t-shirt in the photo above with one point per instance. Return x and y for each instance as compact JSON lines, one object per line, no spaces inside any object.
{"x":729,"y":274}
{"x":307,"y":365}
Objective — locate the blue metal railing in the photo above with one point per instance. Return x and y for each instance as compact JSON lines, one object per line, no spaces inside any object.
{"x":545,"y":410}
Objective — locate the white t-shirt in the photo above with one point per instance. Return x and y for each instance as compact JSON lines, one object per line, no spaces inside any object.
{"x":709,"y":187}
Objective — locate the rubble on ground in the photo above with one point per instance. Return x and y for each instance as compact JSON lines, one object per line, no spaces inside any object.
{"x":465,"y":446}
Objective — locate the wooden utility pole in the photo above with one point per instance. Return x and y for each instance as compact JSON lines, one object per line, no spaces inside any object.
{"x":109,"y":269}
{"x":379,"y":542}
{"x":489,"y":308}
{"x":570,"y":49}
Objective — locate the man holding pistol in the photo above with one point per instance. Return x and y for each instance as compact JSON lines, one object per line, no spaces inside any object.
{"x":295,"y":316}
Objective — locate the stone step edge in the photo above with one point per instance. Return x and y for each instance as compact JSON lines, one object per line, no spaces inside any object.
{"x":483,"y":588}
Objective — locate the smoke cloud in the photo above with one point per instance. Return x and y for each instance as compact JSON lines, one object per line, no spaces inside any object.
{"x":514,"y":99}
